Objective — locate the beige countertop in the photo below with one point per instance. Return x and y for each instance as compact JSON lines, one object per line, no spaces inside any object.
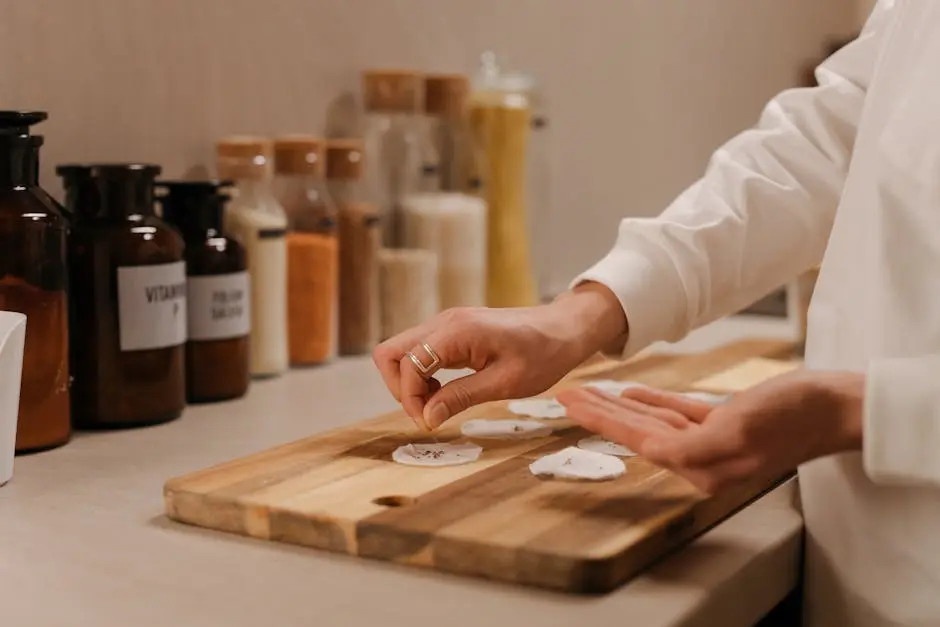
{"x":83,"y":540}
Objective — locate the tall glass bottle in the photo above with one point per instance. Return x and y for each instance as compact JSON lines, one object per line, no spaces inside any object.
{"x":456,"y":153}
{"x":360,"y":238}
{"x":312,"y":253}
{"x":33,"y":281}
{"x":391,"y":99}
{"x":129,"y":290}
{"x":218,"y":296}
{"x":257,"y":220}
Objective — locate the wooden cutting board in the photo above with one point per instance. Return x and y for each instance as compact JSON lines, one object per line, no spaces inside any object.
{"x":341,"y":492}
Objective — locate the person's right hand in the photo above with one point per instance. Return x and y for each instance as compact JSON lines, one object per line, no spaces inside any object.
{"x":514,"y":353}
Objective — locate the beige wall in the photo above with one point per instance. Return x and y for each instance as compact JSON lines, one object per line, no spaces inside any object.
{"x":640,"y":91}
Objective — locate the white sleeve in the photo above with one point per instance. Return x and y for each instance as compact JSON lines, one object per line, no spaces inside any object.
{"x":901,"y":421}
{"x":760,"y":215}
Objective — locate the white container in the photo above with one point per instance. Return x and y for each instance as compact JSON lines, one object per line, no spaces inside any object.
{"x":12,"y":343}
{"x":408,"y":284}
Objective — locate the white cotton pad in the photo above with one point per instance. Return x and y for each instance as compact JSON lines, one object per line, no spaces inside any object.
{"x":705,"y":397}
{"x":614,"y":388}
{"x":599,"y":444}
{"x":538,"y":408}
{"x":505,"y":429}
{"x":442,"y":454}
{"x":575,"y":464}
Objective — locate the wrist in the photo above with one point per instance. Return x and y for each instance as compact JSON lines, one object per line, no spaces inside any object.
{"x":844,"y":402}
{"x":596,"y":317}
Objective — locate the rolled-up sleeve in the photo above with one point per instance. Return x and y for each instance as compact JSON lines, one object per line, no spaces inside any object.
{"x":760,"y":215}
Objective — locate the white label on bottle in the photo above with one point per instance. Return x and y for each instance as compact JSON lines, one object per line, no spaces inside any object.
{"x":219,"y":306}
{"x":152,"y":306}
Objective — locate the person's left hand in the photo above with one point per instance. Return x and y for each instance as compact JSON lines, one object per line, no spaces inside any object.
{"x":766,"y":431}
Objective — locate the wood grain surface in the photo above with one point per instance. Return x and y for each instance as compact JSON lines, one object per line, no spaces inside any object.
{"x":340,"y":491}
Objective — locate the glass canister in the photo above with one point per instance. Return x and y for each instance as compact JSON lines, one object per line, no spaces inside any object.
{"x":391,"y":100}
{"x":128,"y":278}
{"x":360,"y":239}
{"x":256,"y":219}
{"x":33,"y":281}
{"x":451,"y":151}
{"x":218,"y":301}
{"x":502,"y":115}
{"x":312,"y":252}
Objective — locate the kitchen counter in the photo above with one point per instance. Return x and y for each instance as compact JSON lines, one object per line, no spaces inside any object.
{"x":85,"y":541}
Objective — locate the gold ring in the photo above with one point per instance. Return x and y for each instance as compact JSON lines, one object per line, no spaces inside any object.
{"x":429,"y":369}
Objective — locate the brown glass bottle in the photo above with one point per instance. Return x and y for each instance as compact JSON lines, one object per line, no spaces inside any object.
{"x":33,"y":281}
{"x":218,"y":297}
{"x":129,"y":291}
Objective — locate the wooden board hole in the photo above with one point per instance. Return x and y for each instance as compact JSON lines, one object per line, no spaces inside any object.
{"x":393,"y":501}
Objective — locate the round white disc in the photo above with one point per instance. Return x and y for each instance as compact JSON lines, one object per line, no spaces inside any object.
{"x":600,"y":444}
{"x":575,"y":464}
{"x":443,"y":454}
{"x":614,"y":388}
{"x":705,"y":397}
{"x":505,"y":429}
{"x":538,"y":408}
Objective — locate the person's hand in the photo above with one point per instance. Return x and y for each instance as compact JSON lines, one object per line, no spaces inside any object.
{"x":764,"y":431}
{"x":514,"y":352}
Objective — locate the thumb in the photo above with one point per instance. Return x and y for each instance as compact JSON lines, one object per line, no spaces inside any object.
{"x":461,"y":394}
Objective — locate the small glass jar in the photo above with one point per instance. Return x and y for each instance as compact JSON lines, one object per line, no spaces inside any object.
{"x":128,"y":281}
{"x":391,"y":99}
{"x":453,"y":156}
{"x":256,"y":219}
{"x":33,"y":281}
{"x":312,"y":253}
{"x":359,"y":242}
{"x":218,"y":294}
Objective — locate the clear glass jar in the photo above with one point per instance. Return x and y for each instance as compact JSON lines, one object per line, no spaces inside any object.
{"x":256,"y":219}
{"x":33,"y":281}
{"x":503,"y":110}
{"x":218,"y":293}
{"x":392,"y":136}
{"x":312,"y":251}
{"x":128,"y":278}
{"x":453,"y":156}
{"x":360,"y":238}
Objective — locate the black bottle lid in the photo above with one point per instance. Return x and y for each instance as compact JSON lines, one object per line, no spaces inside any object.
{"x":18,"y":122}
{"x":193,"y":204}
{"x":97,"y":189}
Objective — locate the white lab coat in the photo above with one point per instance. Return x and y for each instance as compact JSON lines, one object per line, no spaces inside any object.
{"x":848,"y":174}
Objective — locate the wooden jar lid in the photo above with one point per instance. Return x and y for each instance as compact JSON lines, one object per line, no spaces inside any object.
{"x":391,"y":91}
{"x":344,"y":159}
{"x":299,"y":154}
{"x":446,"y":94}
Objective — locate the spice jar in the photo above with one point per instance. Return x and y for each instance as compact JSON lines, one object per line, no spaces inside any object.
{"x":451,"y":149}
{"x":33,"y":281}
{"x":453,"y":226}
{"x":129,"y":290}
{"x":359,"y":243}
{"x":409,"y":288}
{"x":257,"y":220}
{"x":217,"y":291}
{"x":391,"y":99}
{"x":312,"y":253}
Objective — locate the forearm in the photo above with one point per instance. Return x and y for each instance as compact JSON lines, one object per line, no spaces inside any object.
{"x":596,"y":316}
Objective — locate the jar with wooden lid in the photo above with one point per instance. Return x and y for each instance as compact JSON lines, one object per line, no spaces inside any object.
{"x":312,"y":252}
{"x":392,"y":104}
{"x":256,"y":219}
{"x":128,"y":278}
{"x":360,"y":239}
{"x":452,"y":155}
{"x":218,"y":296}
{"x":33,"y":281}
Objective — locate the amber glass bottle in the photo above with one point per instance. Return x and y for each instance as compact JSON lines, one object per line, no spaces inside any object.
{"x":33,"y":282}
{"x":129,"y":291}
{"x":218,"y":297}
{"x":312,"y":254}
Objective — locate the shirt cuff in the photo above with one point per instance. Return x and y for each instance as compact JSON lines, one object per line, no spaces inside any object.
{"x":901,"y":421}
{"x":645,"y":280}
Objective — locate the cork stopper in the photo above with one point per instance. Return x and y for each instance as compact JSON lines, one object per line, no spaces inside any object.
{"x":344,"y":159}
{"x":244,"y":157}
{"x":391,"y":91}
{"x":446,"y":94}
{"x":299,"y":154}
